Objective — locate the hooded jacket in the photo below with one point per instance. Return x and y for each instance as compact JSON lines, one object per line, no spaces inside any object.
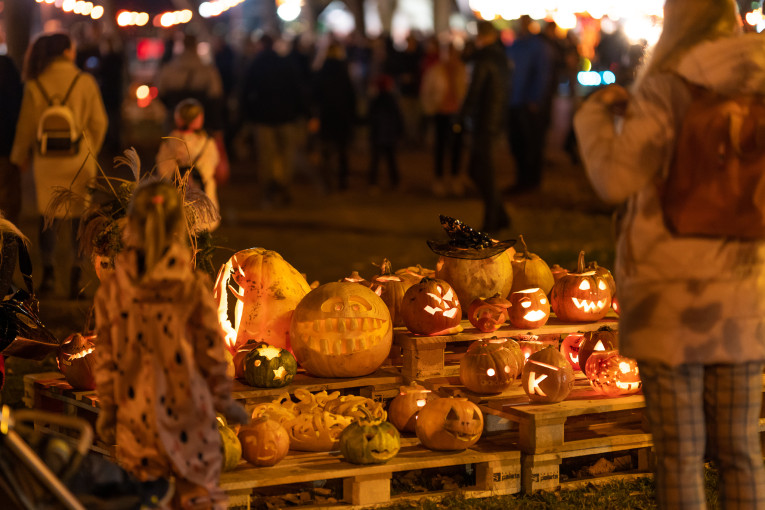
{"x":683,"y":299}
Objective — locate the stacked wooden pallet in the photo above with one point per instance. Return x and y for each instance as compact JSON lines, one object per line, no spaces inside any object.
{"x":497,"y":471}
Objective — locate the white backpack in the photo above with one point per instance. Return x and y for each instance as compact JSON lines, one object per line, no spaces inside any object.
{"x":57,"y":132}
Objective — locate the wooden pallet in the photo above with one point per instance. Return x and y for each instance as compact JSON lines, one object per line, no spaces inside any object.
{"x":426,"y":356}
{"x":50,"y":391}
{"x":498,"y":471}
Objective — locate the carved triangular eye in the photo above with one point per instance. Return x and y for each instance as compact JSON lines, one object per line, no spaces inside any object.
{"x":476,"y":416}
{"x":452,"y":415}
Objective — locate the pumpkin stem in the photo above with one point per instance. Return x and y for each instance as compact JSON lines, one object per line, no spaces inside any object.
{"x":386,"y":268}
{"x":524,"y":248}
{"x":580,"y":262}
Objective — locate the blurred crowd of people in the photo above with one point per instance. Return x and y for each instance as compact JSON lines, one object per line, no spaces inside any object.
{"x":280,"y":106}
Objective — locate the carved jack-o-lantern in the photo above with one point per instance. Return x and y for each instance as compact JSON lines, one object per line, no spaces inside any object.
{"x":76,"y":361}
{"x":596,"y":341}
{"x":268,"y":290}
{"x":431,"y":307}
{"x":341,"y":329}
{"x":529,"y":308}
{"x":612,"y":374}
{"x":264,"y":442}
{"x":490,"y":366}
{"x":369,"y":441}
{"x":569,"y":347}
{"x":488,"y":314}
{"x":403,"y":409}
{"x":449,"y":424}
{"x":529,"y":344}
{"x":266,"y":366}
{"x":547,"y":376}
{"x":583,"y":296}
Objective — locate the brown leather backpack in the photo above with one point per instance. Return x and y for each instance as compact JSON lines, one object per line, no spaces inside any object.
{"x":716,"y":182}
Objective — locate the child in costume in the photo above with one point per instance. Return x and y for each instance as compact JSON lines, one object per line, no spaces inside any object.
{"x":189,"y":148}
{"x":160,"y":367}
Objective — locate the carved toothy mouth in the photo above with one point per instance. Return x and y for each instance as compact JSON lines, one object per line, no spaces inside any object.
{"x":463,"y":436}
{"x":358,"y":334}
{"x":589,"y":306}
{"x":535,"y":315}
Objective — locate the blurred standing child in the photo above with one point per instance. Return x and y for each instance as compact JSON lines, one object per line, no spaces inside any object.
{"x":189,"y":148}
{"x":386,"y":124}
{"x":160,"y":359}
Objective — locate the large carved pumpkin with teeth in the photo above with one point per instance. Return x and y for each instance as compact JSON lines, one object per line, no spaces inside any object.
{"x":449,"y":424}
{"x":582,"y":296}
{"x":431,"y":307}
{"x":341,"y":329}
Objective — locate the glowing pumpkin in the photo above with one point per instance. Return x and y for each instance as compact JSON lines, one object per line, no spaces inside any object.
{"x":269,"y":289}
{"x":369,"y":441}
{"x":530,"y":271}
{"x":529,"y":345}
{"x":341,"y":329}
{"x":76,"y":362}
{"x":431,"y":307}
{"x":488,"y":314}
{"x":596,"y":341}
{"x":569,"y":347}
{"x":449,"y":424}
{"x":490,"y":366}
{"x":547,"y":376}
{"x":612,"y":374}
{"x":583,"y":296}
{"x":404,"y":407}
{"x":472,"y":279}
{"x":266,"y":366}
{"x":264,"y":442}
{"x":529,"y":309}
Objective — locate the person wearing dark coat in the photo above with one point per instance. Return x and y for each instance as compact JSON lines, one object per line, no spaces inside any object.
{"x":335,"y":103}
{"x":484,"y":109}
{"x":272,"y":101}
{"x":386,"y":123}
{"x":11,"y":91}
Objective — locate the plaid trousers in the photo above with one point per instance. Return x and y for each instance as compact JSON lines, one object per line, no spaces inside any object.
{"x":695,"y":410}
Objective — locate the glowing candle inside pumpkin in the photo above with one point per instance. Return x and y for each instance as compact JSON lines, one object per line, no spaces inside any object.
{"x":490,"y":372}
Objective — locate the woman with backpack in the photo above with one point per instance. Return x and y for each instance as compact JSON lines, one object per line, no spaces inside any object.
{"x":60,"y":131}
{"x":692,"y":303}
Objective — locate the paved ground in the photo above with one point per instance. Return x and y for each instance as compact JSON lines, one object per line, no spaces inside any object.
{"x":329,"y":236}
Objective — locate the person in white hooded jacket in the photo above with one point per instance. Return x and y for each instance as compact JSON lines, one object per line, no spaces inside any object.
{"x":692,"y":308}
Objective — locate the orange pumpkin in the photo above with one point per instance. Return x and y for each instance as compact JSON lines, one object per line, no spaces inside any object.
{"x":76,"y":361}
{"x":596,"y":341}
{"x":473,"y":279}
{"x":490,"y":366}
{"x":391,"y":288}
{"x":530,"y":271}
{"x":488,"y":314}
{"x":264,"y":442}
{"x":547,"y":376}
{"x":269,"y":289}
{"x":612,"y":374}
{"x":404,"y":408}
{"x":431,"y":307}
{"x":341,"y":329}
{"x":529,"y":308}
{"x":449,"y":424}
{"x":582,"y":296}
{"x":569,"y":347}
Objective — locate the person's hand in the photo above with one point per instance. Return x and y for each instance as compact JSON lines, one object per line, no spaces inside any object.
{"x":106,"y":426}
{"x":615,"y":97}
{"x":235,"y":414}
